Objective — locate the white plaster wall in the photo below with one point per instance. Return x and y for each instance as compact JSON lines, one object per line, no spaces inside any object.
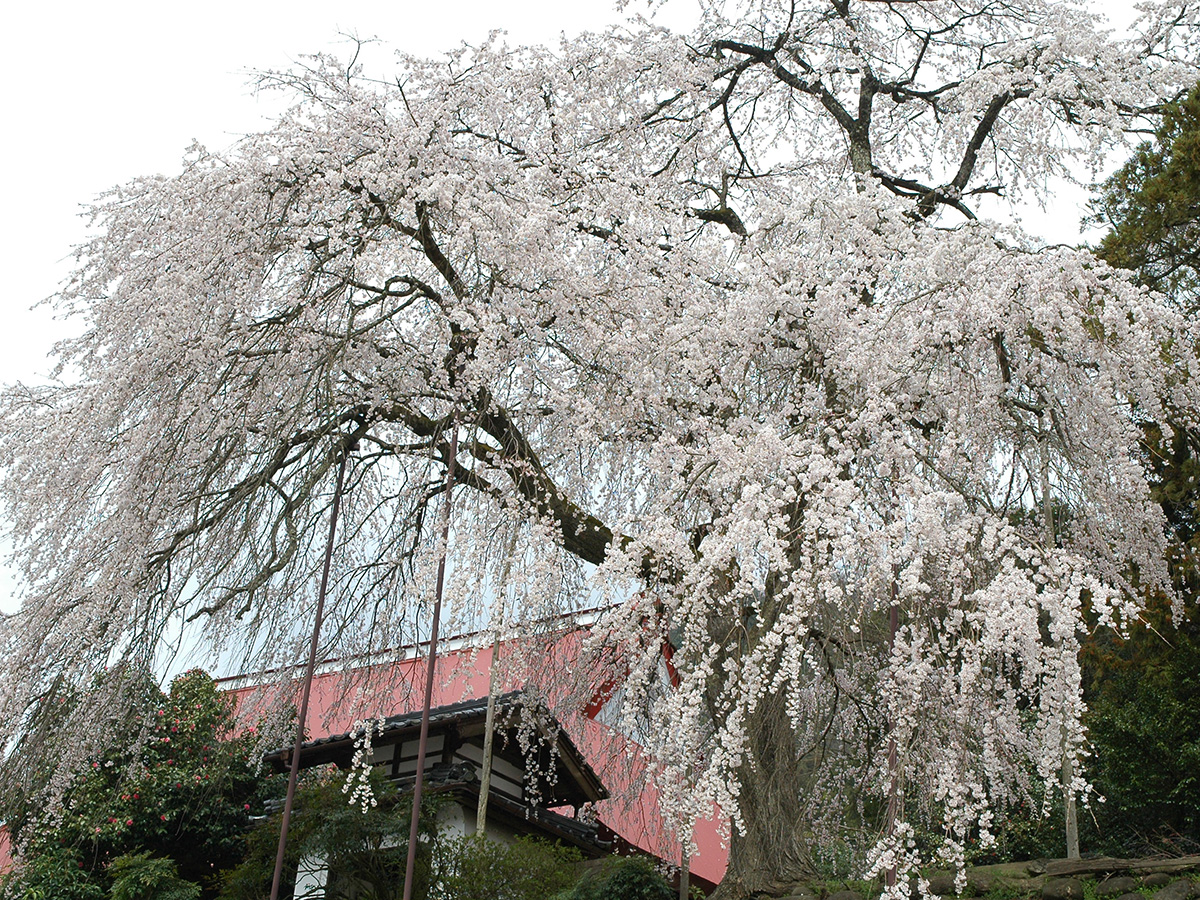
{"x":311,"y":874}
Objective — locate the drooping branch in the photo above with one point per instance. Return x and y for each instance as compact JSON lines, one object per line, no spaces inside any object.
{"x":583,"y":534}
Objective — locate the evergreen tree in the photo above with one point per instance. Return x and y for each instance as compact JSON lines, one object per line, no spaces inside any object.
{"x":1142,"y":687}
{"x":1152,"y":205}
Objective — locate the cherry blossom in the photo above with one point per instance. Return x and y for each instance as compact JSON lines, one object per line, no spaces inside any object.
{"x":730,"y":349}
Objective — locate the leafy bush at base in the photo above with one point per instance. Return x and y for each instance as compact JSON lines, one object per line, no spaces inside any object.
{"x":365,"y":850}
{"x":622,"y":878}
{"x":139,"y":876}
{"x":476,"y":868}
{"x":57,"y":874}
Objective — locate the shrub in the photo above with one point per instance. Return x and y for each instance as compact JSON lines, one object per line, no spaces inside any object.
{"x":477,"y":868}
{"x":140,"y":876}
{"x":57,"y":874}
{"x":622,"y":878}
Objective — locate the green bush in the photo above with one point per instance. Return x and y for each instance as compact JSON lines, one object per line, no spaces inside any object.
{"x":57,"y":874}
{"x":366,"y":852}
{"x":622,"y":878}
{"x":1145,"y":729}
{"x":477,"y":868}
{"x":140,"y":876}
{"x":184,"y":793}
{"x":1024,"y":831}
{"x":364,"y":848}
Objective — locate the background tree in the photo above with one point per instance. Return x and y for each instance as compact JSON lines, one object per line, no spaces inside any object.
{"x":1152,"y":207}
{"x":1142,"y":685}
{"x":180,"y":785}
{"x":725,"y":343}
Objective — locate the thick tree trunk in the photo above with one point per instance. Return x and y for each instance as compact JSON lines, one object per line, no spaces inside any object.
{"x":772,"y":851}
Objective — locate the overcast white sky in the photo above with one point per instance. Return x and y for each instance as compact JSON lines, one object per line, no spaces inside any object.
{"x":99,"y":92}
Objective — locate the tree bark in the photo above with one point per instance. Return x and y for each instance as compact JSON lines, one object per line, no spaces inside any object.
{"x":772,"y":851}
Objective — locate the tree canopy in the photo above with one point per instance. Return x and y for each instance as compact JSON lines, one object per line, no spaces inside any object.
{"x":725,"y":344}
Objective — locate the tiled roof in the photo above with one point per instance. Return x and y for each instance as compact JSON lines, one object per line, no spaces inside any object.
{"x":451,"y":713}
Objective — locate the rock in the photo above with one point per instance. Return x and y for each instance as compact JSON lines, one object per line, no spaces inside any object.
{"x":942,"y":885}
{"x":845,"y":895}
{"x":1179,"y":889}
{"x":1157,"y":879}
{"x":1116,"y":887}
{"x":1062,"y":889}
{"x":1132,"y":895}
{"x":980,"y":882}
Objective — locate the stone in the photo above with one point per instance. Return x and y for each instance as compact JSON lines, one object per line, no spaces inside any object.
{"x":980,"y":882}
{"x":1156,"y":879}
{"x":845,"y":895}
{"x":1179,"y":889}
{"x":942,"y":885}
{"x":1116,"y":887}
{"x":1062,"y":889}
{"x":1132,"y":895}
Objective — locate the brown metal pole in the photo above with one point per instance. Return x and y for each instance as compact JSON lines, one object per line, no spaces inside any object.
{"x":414,"y":827}
{"x":294,"y":772}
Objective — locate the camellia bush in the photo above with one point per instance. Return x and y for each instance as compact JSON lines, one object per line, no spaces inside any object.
{"x":180,"y":786}
{"x":718,"y":330}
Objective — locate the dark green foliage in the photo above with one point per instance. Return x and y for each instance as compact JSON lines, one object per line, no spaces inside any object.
{"x":476,"y":868}
{"x":1030,"y":829}
{"x":57,"y":874}
{"x":625,"y":878}
{"x":1145,"y":727}
{"x":1152,"y":205}
{"x":1143,"y":689}
{"x":365,"y":850}
{"x":142,"y":877}
{"x":181,"y":787}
